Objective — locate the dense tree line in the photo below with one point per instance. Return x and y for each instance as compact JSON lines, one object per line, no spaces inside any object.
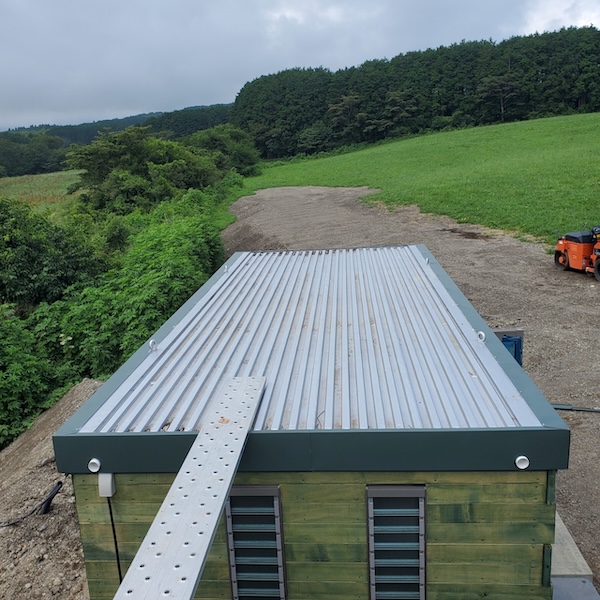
{"x":22,"y":153}
{"x":315,"y":110}
{"x":471,"y":83}
{"x":181,"y":123}
{"x":85,"y":133}
{"x":43,"y":149}
{"x":77,"y":299}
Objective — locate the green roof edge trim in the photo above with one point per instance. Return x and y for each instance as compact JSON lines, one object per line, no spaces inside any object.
{"x":272,"y":451}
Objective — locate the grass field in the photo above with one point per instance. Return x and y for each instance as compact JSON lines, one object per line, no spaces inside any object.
{"x":534,"y":178}
{"x":45,"y":193}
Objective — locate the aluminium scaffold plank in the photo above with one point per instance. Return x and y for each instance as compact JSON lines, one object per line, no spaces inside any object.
{"x":171,"y":558}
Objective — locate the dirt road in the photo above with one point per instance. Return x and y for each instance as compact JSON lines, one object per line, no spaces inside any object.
{"x":511,"y":283}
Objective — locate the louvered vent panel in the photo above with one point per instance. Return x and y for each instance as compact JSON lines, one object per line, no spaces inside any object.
{"x":396,"y":542}
{"x":255,"y":543}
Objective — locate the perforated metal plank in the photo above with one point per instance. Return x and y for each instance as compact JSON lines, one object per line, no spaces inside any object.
{"x":171,"y":558}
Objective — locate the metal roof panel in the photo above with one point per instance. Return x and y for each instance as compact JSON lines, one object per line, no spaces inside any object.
{"x":365,"y":338}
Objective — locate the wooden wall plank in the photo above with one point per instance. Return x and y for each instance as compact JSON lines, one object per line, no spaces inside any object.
{"x":103,"y":588}
{"x":399,"y":477}
{"x":311,"y":590}
{"x":326,"y":552}
{"x":488,"y":512}
{"x":123,"y":512}
{"x":484,"y":553}
{"x":327,"y":571}
{"x":490,"y":533}
{"x":322,"y":534}
{"x":102,"y":569}
{"x":531,"y":493}
{"x":478,"y":591}
{"x":208,"y":590}
{"x":316,"y":493}
{"x":326,"y":512}
{"x":486,"y":573}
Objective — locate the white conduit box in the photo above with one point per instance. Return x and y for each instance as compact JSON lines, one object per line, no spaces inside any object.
{"x":171,"y":558}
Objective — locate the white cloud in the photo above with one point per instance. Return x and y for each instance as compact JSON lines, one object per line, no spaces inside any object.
{"x":308,"y":12}
{"x":550,"y":15}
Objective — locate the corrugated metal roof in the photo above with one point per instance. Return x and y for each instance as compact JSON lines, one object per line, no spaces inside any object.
{"x":347,"y":339}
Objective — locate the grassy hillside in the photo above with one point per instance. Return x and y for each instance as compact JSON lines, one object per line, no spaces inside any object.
{"x":535,"y":177}
{"x":45,"y":193}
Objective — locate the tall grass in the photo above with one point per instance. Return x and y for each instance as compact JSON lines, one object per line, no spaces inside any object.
{"x":47,"y":193}
{"x":536,"y":177}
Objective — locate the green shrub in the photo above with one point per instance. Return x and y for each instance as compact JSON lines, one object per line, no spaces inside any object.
{"x":130,"y":170}
{"x":39,"y":260}
{"x":25,"y":377}
{"x":95,"y":329}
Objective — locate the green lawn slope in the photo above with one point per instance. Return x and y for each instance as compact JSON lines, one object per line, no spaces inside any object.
{"x":534,"y":178}
{"x":539,"y":178}
{"x":40,"y":191}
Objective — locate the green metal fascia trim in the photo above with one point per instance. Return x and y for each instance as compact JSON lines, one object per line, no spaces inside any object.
{"x":416,"y":450}
{"x":123,"y":452}
{"x":530,"y":392}
{"x":89,"y":408}
{"x":371,"y":450}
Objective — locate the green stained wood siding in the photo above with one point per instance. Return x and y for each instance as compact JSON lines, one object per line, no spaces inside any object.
{"x":486,"y":532}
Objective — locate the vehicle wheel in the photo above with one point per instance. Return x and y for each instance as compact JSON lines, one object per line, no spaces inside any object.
{"x":561,"y":260}
{"x":597,"y":269}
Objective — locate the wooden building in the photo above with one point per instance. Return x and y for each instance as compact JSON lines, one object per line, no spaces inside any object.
{"x":397,"y":449}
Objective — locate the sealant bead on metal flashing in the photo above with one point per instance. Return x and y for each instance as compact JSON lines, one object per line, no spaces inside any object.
{"x":522,"y":462}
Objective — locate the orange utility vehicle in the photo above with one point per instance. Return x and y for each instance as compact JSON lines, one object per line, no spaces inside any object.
{"x":580,"y":251}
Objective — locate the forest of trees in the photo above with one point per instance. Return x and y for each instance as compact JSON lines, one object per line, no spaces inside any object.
{"x":467,"y":84}
{"x":43,"y":149}
{"x":310,"y":110}
{"x":79,"y":297}
{"x":180,"y":123}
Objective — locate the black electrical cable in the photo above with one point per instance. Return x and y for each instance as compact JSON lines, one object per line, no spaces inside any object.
{"x":42,"y":508}
{"x":114,"y":532}
{"x":574,"y":408}
{"x":45,"y":507}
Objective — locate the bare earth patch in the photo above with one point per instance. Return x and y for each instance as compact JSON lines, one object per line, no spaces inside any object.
{"x":511,"y":283}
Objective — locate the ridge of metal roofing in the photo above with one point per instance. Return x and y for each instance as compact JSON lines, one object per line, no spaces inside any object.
{"x":357,"y":339}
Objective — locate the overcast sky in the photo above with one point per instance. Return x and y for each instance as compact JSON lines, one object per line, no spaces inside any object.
{"x":76,"y":61}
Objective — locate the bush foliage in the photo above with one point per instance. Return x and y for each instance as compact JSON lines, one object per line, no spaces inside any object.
{"x":39,"y":260}
{"x":141,"y":239}
{"x":25,"y":376}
